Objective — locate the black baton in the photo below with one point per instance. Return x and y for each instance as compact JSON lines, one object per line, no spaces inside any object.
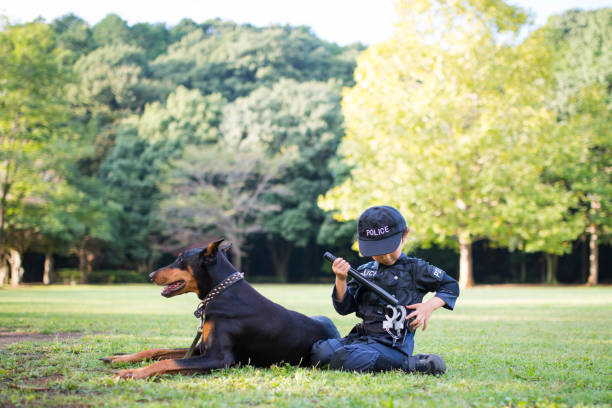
{"x":389,"y":298}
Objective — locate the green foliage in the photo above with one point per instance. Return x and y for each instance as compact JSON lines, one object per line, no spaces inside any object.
{"x":302,"y":117}
{"x":582,"y":41}
{"x":184,"y":27}
{"x":45,"y":204}
{"x":235,"y":60}
{"x":219,"y":190}
{"x":91,"y":216}
{"x":153,"y":38}
{"x":61,"y":216}
{"x":31,"y":111}
{"x":137,"y":164}
{"x":73,"y":34}
{"x":496,"y":15}
{"x":116,"y":78}
{"x":107,"y":276}
{"x":117,"y":276}
{"x":112,"y":29}
{"x":186,"y":118}
{"x":450,"y":120}
{"x":145,"y":94}
{"x":450,"y":125}
{"x":583,"y":98}
{"x":131,"y":174}
{"x":30,"y":97}
{"x":67,"y":275}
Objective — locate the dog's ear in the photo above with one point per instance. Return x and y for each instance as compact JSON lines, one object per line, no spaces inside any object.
{"x":225,"y":247}
{"x":210,"y":253}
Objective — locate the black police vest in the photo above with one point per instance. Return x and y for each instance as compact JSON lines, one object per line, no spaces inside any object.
{"x":398,"y":279}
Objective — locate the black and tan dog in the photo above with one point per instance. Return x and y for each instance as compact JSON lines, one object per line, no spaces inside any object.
{"x":241,"y":325}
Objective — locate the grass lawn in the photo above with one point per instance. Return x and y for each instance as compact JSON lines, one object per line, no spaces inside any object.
{"x":504,"y":346}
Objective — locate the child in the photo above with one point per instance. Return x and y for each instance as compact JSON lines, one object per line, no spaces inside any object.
{"x":382,"y":232}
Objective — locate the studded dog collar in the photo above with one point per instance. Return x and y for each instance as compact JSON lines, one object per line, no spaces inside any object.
{"x":227,"y":282}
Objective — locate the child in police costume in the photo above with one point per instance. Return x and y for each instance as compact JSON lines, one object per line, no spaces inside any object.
{"x":382,"y":232}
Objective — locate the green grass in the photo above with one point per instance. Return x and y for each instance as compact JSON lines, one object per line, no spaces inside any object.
{"x":526,"y":346}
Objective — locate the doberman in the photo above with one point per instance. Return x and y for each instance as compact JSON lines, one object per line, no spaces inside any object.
{"x":241,"y":326}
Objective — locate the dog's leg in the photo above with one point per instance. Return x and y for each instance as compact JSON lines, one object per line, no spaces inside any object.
{"x":152,"y":354}
{"x":203,"y":364}
{"x":217,"y":354}
{"x":162,"y":354}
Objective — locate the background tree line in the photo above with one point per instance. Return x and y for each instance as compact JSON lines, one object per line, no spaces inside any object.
{"x":123,"y":144}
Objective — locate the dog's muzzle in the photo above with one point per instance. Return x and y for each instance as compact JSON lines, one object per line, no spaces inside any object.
{"x":152,"y":274}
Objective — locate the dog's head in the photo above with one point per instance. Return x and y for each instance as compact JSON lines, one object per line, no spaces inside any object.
{"x":193,"y":270}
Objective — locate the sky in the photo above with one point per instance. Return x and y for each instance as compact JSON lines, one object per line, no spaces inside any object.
{"x":340,"y":21}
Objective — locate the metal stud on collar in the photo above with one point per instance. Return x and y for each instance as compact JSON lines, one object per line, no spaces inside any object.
{"x":229,"y":281}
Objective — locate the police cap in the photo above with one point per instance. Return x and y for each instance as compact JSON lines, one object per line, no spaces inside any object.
{"x":380,"y":230}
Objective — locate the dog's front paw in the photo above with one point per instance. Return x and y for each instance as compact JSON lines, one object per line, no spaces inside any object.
{"x":115,"y":359}
{"x":129,"y":374}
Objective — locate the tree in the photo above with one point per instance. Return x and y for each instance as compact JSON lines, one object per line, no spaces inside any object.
{"x":51,"y":214}
{"x":153,"y":38}
{"x":116,"y":78}
{"x":136,"y":165}
{"x":73,"y":35}
{"x":307,"y":118}
{"x":582,"y":41}
{"x":184,"y":27}
{"x":218,"y":190}
{"x":95,"y":216}
{"x":447,"y":122}
{"x":67,"y":219}
{"x":592,"y":180}
{"x":113,"y":83}
{"x":112,"y":29}
{"x":235,"y":60}
{"x":31,"y":109}
{"x":127,"y":116}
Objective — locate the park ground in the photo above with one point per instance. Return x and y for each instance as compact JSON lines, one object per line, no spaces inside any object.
{"x":504,"y":347}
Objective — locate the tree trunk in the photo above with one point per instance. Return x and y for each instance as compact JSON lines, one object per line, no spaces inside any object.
{"x":16,"y":267}
{"x":48,"y":273}
{"x":584,"y":259}
{"x":523,"y":277}
{"x":237,"y":240}
{"x":280,"y":258}
{"x":82,"y":265}
{"x":3,"y":270}
{"x":146,"y":265}
{"x":236,"y":249}
{"x":552,"y":261}
{"x":86,"y":258}
{"x":6,"y":185}
{"x":593,"y":256}
{"x":466,"y":272}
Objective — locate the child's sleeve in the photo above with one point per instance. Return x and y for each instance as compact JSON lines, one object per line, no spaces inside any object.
{"x":433,"y":279}
{"x":348,"y":304}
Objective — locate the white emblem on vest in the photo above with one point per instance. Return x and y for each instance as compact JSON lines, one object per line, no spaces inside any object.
{"x":369,"y":273}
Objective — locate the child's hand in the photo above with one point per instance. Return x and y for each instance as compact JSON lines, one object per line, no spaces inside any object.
{"x":340,"y":268}
{"x":422,"y":312}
